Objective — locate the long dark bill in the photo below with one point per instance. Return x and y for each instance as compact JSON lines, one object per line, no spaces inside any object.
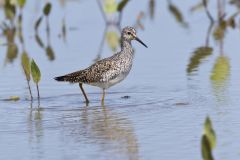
{"x":137,"y":39}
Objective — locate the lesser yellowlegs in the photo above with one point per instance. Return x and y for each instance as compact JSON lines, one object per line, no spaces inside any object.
{"x":109,"y":71}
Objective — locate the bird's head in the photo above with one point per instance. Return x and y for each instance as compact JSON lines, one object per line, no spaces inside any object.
{"x":129,"y":33}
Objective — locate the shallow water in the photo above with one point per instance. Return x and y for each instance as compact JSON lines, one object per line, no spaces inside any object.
{"x":156,"y":113}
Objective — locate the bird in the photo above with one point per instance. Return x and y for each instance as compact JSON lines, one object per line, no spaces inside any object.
{"x":108,"y":71}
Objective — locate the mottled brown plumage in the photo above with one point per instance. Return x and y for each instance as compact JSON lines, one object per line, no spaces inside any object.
{"x":109,"y":71}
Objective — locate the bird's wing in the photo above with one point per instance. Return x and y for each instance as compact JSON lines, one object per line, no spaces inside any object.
{"x":98,"y":72}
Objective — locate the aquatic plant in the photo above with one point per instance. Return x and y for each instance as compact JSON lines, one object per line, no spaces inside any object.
{"x":27,"y":70}
{"x":208,"y":141}
{"x":36,"y":75}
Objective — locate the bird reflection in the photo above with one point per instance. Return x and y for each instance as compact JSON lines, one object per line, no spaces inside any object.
{"x":108,"y":129}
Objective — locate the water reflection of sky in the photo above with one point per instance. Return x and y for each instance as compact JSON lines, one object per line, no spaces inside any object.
{"x":167,"y":106}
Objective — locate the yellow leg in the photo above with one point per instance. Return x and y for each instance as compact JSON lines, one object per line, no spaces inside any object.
{"x":84,"y":94}
{"x":103,"y":95}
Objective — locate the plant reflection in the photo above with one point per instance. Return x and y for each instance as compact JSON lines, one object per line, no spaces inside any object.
{"x":111,"y":10}
{"x":12,"y":48}
{"x":221,"y":69}
{"x":48,"y":48}
{"x":218,"y":33}
{"x":9,"y":31}
{"x":112,"y":15}
{"x":36,"y":129}
{"x":112,"y":29}
{"x":220,"y":75}
{"x":173,"y":9}
{"x":111,"y":34}
{"x":200,"y":54}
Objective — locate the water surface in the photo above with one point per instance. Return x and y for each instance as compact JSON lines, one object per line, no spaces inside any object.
{"x":156,"y":113}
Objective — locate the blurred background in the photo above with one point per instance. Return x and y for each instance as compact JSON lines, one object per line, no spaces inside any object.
{"x":190,"y":70}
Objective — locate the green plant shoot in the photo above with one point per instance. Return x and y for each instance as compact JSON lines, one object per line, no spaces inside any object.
{"x":36,"y":75}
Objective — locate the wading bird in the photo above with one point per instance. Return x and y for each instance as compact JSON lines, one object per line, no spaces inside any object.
{"x":108,"y":71}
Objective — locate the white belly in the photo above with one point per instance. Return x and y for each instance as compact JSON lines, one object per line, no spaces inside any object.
{"x":106,"y":85}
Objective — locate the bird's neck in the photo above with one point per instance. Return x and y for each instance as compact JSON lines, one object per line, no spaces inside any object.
{"x":126,"y":46}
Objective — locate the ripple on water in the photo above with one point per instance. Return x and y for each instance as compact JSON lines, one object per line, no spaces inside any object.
{"x":54,"y":109}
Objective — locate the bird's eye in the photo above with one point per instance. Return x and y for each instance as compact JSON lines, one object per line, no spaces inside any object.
{"x":129,"y":33}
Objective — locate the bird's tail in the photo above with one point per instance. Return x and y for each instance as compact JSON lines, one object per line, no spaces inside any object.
{"x":74,"y":77}
{"x":60,"y":78}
